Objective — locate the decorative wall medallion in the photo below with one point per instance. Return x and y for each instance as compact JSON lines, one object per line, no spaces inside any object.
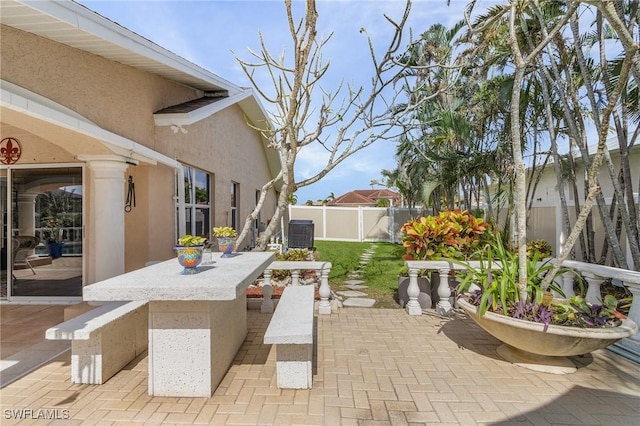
{"x":10,"y":151}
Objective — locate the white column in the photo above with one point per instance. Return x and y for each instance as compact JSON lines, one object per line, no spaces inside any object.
{"x":27,"y":213}
{"x":567,"y":284}
{"x":106,"y":234}
{"x":413,"y":291}
{"x":634,"y":312}
{"x":594,"y":296}
{"x":267,"y":292}
{"x":295,"y":277}
{"x":324,"y":307}
{"x":443,"y":307}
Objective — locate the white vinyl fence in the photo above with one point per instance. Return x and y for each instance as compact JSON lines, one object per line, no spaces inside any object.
{"x":383,"y":224}
{"x":361,"y":224}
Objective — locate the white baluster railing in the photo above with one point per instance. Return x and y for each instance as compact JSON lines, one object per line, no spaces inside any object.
{"x":593,"y":274}
{"x":323,"y":268}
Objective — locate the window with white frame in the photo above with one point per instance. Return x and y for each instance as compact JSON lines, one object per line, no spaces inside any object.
{"x":197,"y":201}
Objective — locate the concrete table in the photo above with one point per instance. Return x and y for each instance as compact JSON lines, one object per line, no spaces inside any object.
{"x":197,"y":322}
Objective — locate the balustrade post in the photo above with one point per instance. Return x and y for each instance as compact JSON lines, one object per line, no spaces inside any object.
{"x":567,"y":284}
{"x":443,"y":307}
{"x":267,"y":292}
{"x":324,"y":307}
{"x":634,"y":311}
{"x":594,"y":296}
{"x":413,"y":291}
{"x":295,"y":277}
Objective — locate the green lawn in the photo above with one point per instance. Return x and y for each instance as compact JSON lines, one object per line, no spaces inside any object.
{"x":380,"y":274}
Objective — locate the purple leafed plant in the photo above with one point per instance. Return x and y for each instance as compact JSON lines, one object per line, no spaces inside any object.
{"x":533,"y":312}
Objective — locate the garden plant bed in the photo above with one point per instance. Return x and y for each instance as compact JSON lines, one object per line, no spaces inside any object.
{"x":255,"y":292}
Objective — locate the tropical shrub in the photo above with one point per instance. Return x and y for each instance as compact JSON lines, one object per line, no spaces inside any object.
{"x":539,"y":247}
{"x":497,"y":278}
{"x":293,"y":255}
{"x":452,"y":234}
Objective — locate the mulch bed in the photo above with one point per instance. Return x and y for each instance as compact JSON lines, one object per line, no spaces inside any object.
{"x":256,"y":292}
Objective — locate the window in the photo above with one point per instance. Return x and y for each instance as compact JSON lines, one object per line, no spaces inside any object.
{"x":197,"y":201}
{"x":235,"y":188}
{"x":256,"y":223}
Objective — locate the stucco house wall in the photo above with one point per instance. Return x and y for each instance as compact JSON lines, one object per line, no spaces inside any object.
{"x":118,"y":98}
{"x":545,"y":220}
{"x":123,"y":99}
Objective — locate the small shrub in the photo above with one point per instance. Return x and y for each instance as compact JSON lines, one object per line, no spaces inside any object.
{"x":539,"y":247}
{"x":292,"y":255}
{"x":452,"y":234}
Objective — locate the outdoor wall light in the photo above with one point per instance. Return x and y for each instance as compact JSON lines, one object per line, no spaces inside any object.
{"x":175,"y":128}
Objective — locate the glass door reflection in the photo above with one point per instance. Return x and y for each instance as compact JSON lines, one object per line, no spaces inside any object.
{"x":46,"y":232}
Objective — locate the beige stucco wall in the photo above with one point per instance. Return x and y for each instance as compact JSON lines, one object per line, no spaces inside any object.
{"x":547,"y":191}
{"x":226,"y":147}
{"x":122,"y":100}
{"x":116,"y":97}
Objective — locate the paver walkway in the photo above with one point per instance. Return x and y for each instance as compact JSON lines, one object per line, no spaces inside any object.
{"x":371,"y":367}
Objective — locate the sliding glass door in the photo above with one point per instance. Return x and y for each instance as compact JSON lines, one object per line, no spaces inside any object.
{"x":45,"y":227}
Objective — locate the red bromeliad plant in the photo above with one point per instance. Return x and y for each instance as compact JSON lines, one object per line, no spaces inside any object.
{"x":452,"y":234}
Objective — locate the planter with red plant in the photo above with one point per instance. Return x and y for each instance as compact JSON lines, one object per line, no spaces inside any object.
{"x":454,"y":234}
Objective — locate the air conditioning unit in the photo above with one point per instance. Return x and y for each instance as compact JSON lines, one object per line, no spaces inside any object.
{"x":300,"y":234}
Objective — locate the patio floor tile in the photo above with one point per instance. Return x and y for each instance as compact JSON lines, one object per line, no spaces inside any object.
{"x":373,"y":366}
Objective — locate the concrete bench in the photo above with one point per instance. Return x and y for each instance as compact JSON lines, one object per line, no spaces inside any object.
{"x":323,"y":269}
{"x":291,"y":331}
{"x":104,"y":339}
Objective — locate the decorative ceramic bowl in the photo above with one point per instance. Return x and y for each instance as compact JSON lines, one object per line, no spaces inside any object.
{"x":227,"y":246}
{"x":189,"y":257}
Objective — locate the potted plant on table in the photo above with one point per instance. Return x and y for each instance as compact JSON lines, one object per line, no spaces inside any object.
{"x":226,"y":236}
{"x":540,"y":330}
{"x":51,"y":231}
{"x":189,"y":249}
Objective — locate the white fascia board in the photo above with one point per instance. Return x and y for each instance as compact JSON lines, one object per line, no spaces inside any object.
{"x":184,"y":119}
{"x":31,"y":104}
{"x":93,"y":23}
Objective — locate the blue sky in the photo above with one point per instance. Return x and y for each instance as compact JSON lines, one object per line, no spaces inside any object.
{"x":209,"y":33}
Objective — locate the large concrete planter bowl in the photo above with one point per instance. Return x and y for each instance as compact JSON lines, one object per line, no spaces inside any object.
{"x":533,"y":345}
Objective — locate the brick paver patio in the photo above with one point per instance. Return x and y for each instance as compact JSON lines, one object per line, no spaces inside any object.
{"x":372,"y":367}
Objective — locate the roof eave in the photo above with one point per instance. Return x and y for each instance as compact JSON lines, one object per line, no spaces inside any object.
{"x":70,"y":23}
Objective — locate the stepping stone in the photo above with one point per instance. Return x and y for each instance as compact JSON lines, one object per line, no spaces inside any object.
{"x":351,"y":293}
{"x":366,"y":255}
{"x":353,"y":282}
{"x":356,"y":286}
{"x":359,"y":302}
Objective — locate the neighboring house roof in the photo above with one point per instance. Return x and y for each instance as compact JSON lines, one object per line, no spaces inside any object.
{"x":366,"y":197}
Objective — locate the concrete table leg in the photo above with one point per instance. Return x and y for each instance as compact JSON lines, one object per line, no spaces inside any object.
{"x":192,"y":344}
